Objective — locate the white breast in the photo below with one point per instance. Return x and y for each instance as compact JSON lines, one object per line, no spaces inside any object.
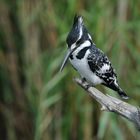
{"x":83,"y":68}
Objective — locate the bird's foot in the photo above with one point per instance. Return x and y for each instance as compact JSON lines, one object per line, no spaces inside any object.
{"x":86,"y":84}
{"x":84,"y":80}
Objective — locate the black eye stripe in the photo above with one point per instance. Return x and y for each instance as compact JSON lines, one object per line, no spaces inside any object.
{"x":79,"y":41}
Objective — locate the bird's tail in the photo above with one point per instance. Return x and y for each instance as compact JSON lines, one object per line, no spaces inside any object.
{"x":117,"y":88}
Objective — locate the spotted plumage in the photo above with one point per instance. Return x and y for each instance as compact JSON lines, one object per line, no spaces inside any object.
{"x":91,"y":63}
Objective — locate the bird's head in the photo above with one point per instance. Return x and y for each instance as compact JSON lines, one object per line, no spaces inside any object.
{"x":77,"y":35}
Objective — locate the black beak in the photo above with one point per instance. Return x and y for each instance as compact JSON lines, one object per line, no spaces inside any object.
{"x":65,"y":59}
{"x":69,"y":52}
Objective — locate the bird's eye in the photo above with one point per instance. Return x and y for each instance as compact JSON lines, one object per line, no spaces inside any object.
{"x":79,"y":41}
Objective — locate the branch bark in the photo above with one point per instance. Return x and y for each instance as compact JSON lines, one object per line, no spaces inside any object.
{"x":113,"y":104}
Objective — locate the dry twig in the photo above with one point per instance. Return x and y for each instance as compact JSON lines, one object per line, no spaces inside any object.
{"x":113,"y":104}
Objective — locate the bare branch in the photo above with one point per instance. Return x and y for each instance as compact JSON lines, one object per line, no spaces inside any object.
{"x":113,"y":104}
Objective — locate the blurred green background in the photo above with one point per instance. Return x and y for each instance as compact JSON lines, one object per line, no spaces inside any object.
{"x":39,"y":103}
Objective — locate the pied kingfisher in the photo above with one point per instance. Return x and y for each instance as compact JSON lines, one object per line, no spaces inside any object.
{"x":92,"y":64}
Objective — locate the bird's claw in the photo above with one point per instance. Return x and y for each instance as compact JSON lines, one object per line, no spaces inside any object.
{"x":86,"y":84}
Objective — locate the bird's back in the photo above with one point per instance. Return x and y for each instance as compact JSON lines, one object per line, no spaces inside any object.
{"x":100,"y":64}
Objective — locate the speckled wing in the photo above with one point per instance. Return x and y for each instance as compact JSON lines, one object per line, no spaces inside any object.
{"x":101,"y":66}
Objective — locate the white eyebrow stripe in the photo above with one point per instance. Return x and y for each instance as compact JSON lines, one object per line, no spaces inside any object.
{"x":89,"y":36}
{"x":81,"y":33}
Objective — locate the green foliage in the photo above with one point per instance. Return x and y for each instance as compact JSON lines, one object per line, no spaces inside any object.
{"x":37,"y":101}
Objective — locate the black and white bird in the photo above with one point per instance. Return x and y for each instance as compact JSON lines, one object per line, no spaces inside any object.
{"x":92,"y":64}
